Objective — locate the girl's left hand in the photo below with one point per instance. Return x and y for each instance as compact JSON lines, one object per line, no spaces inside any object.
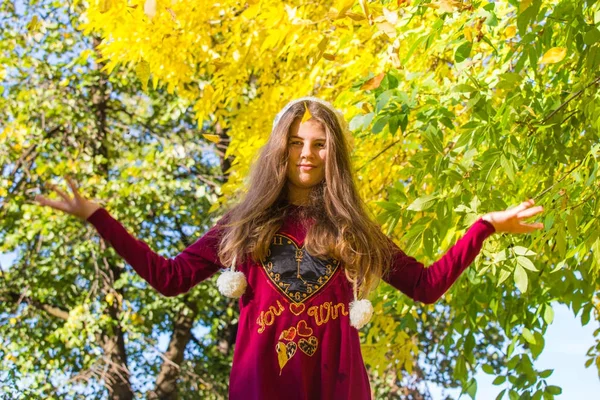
{"x":510,"y":220}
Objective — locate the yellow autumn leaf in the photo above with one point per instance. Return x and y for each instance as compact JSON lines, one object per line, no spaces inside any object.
{"x":150,"y":8}
{"x":104,"y":5}
{"x":143,"y":72}
{"x":468,"y":32}
{"x":307,"y":114}
{"x":365,"y":8}
{"x":136,"y":319}
{"x":554,"y":55}
{"x":34,"y":24}
{"x":212,"y":138}
{"x":524,"y":5}
{"x":510,"y":31}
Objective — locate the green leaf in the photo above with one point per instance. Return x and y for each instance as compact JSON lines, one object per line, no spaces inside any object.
{"x":524,"y":19}
{"x":500,"y":379}
{"x":526,"y":263}
{"x":504,"y":274}
{"x":488,"y":369}
{"x":463,"y":51}
{"x":546,"y":373}
{"x":460,"y":369}
{"x":585,"y":314}
{"x":592,"y":36}
{"x":356,"y":122}
{"x":560,"y":265}
{"x":507,"y":166}
{"x":523,"y":251}
{"x":527,"y":335}
{"x":428,"y":242}
{"x":549,"y":221}
{"x":394,"y":123}
{"x":423,"y":203}
{"x":521,"y":278}
{"x":553,"y":389}
{"x":380,"y":123}
{"x":472,"y":388}
{"x":463,"y":88}
{"x":548,"y":314}
{"x":561,"y":241}
{"x":382,"y":100}
{"x":572,"y":225}
{"x":538,"y":346}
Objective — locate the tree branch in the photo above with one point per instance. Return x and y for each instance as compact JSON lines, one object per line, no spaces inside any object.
{"x":52,"y":310}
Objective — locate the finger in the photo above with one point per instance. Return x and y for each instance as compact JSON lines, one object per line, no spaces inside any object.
{"x":532,"y":227}
{"x":523,"y":206}
{"x":59,"y":191}
{"x":530,"y":212}
{"x":73,"y":186}
{"x":59,"y":205}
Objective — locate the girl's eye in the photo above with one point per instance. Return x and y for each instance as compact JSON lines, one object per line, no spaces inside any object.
{"x":296,"y":142}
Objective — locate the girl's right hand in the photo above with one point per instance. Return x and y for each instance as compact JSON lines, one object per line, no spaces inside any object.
{"x":78,"y":205}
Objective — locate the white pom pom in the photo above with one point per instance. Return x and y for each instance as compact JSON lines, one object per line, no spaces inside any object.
{"x":360,"y":313}
{"x":232,"y":284}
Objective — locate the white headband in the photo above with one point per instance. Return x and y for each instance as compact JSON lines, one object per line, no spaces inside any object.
{"x":338,"y":114}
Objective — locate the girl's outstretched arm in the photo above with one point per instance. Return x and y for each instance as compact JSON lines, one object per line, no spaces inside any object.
{"x":169,"y":276}
{"x":429,"y":284}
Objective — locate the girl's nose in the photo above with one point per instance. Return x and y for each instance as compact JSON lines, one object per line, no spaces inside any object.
{"x":306,"y":150}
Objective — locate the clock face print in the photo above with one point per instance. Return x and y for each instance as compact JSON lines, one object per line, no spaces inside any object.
{"x":297,"y":274}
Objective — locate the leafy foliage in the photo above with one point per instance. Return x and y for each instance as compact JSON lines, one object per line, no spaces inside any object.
{"x":457,"y":108}
{"x":67,"y":297}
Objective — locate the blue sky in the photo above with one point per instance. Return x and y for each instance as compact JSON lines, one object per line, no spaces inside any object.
{"x":566,"y":344}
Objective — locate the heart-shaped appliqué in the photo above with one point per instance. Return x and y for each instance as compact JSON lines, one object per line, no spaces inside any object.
{"x":308,"y":346}
{"x":297,"y":274}
{"x":284,"y":353}
{"x":288,"y":334}
{"x":303,"y":329}
{"x":297,"y":308}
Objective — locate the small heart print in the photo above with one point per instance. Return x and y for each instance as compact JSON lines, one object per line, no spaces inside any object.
{"x":288,"y":334}
{"x":308,"y":346}
{"x":297,"y":309}
{"x":284,"y":353}
{"x":303,"y":329}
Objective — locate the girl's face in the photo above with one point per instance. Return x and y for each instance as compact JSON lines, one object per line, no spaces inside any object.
{"x":307,"y":154}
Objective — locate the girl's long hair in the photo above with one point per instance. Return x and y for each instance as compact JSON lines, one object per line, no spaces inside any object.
{"x":342,"y":228}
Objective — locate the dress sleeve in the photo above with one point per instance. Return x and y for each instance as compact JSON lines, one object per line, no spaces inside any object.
{"x":169,"y":276}
{"x":427,"y":285}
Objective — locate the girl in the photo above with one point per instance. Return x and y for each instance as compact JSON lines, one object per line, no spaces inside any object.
{"x":306,"y":250}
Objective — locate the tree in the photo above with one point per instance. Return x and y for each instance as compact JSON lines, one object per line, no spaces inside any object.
{"x":456,"y":108}
{"x":75,"y":320}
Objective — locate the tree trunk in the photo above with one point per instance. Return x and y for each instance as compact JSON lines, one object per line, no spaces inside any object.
{"x":166,"y":382}
{"x":116,"y":376}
